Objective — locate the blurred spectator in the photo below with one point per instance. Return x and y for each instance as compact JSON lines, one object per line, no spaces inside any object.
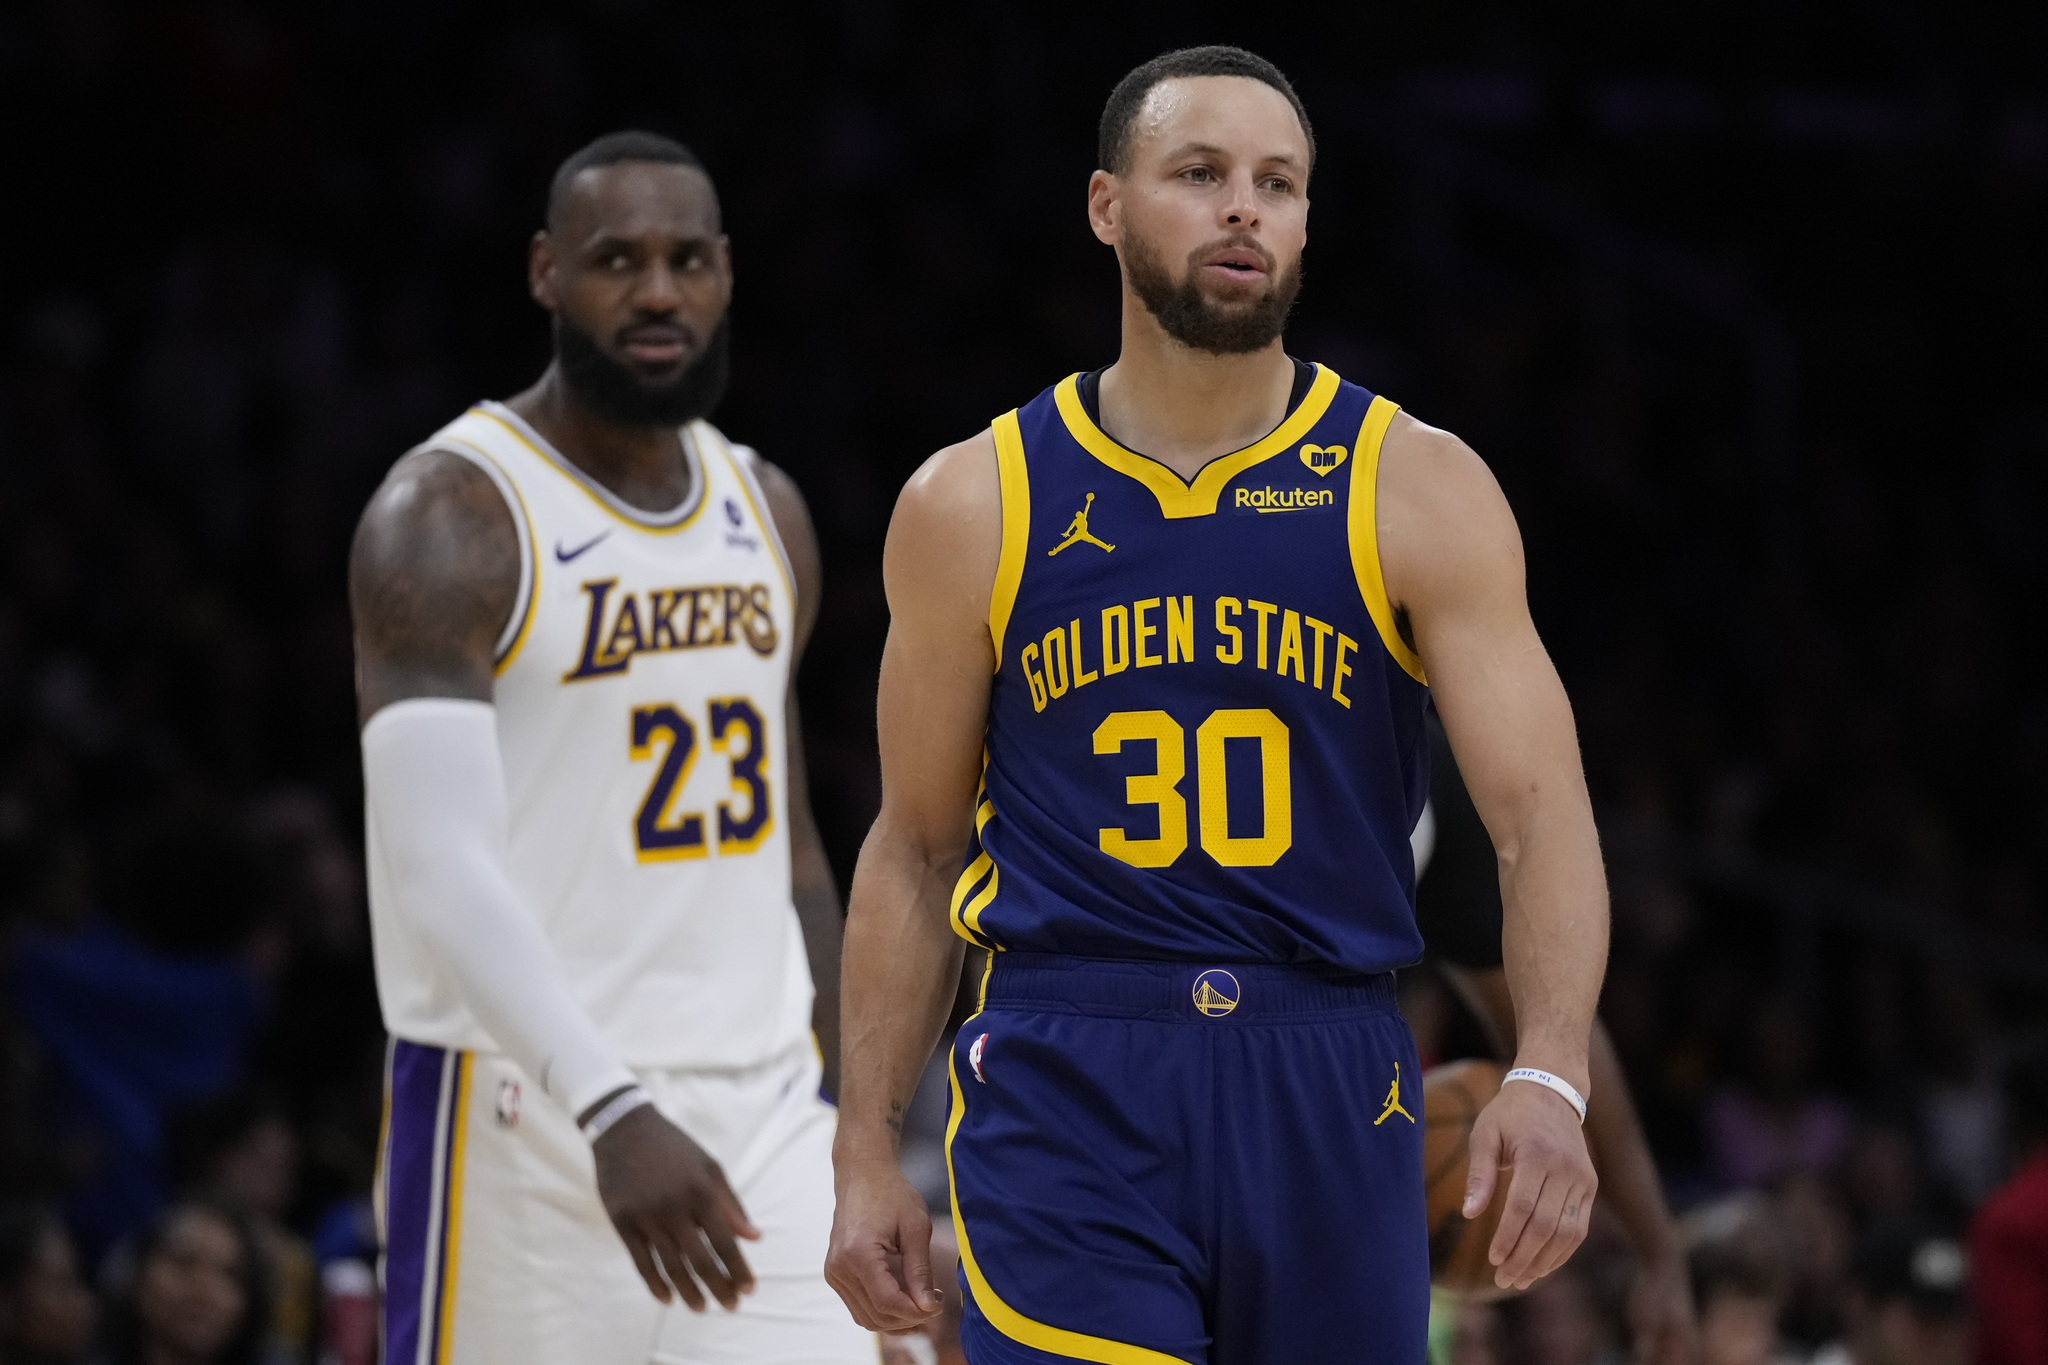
{"x":141,"y":1014}
{"x":1818,"y":1238}
{"x":192,"y":1293}
{"x":2009,"y":1240}
{"x":1559,"y":1321}
{"x":243,"y":1149}
{"x":46,"y":1311}
{"x":1740,"y":1269}
{"x":1776,"y":1124}
{"x":1908,"y":1301}
{"x":1960,"y":1101}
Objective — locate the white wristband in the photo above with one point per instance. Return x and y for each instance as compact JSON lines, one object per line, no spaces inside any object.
{"x":1549,"y":1082}
{"x":615,"y":1108}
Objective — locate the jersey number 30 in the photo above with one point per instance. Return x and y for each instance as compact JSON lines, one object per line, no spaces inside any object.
{"x":660,"y":834}
{"x":1161,"y":787}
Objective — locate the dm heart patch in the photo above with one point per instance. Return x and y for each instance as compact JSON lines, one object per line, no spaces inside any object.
{"x":1323,"y":459}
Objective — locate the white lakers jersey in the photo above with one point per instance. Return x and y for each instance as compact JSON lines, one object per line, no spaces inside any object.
{"x":639,"y":697}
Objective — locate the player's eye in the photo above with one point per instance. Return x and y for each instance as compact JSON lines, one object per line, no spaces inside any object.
{"x":1200,"y":174}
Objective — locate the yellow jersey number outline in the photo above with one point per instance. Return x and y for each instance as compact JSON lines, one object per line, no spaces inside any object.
{"x":1161,"y":786}
{"x":660,"y":833}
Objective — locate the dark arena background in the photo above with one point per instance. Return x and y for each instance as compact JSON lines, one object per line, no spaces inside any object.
{"x":1744,"y":304}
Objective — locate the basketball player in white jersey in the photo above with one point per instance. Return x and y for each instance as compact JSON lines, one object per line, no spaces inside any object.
{"x":605,"y":928}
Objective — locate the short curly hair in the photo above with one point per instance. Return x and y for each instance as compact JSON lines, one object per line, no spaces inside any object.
{"x":1113,"y":137}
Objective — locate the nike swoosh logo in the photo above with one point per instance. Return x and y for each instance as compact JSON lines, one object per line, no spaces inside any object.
{"x":564,"y":556}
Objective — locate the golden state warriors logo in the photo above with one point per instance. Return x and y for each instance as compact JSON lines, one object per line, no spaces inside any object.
{"x":1216,"y":993}
{"x":1323,"y":459}
{"x":1077,"y":531}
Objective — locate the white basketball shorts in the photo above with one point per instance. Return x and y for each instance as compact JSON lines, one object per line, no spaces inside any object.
{"x":497,"y":1250}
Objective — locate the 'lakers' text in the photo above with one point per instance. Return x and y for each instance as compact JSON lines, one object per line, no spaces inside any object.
{"x":623,"y":624}
{"x":1155,"y":632}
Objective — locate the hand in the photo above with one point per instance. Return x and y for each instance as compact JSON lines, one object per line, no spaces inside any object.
{"x":880,"y":1260}
{"x":674,"y":1210}
{"x":1550,"y":1197}
{"x":1660,"y":1314}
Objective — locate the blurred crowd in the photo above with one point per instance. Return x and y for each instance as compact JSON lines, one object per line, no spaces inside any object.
{"x":1744,"y":309}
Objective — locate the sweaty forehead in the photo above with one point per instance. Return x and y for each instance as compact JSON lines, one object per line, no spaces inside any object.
{"x":637,"y":199}
{"x":1236,"y":113}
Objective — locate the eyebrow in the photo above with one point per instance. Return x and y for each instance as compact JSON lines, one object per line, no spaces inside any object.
{"x":1211,"y":149}
{"x":607,"y":240}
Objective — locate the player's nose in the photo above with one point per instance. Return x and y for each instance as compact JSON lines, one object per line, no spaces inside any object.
{"x":1240,"y":207}
{"x":657,"y":290}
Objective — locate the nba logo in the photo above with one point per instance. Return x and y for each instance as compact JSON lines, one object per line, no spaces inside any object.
{"x":508,"y":1103}
{"x":974,"y":1057}
{"x":732,"y":512}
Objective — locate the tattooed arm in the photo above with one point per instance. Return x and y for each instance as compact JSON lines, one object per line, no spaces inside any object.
{"x":432,"y":580}
{"x":902,"y":958}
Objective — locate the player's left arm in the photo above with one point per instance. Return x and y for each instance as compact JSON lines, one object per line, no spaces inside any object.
{"x":1452,"y":558}
{"x":811,"y":884}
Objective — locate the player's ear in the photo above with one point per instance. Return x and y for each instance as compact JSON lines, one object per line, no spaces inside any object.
{"x":540,"y":271}
{"x":1105,"y":208}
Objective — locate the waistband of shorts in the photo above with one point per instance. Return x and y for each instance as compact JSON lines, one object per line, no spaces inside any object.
{"x":1189,"y":992}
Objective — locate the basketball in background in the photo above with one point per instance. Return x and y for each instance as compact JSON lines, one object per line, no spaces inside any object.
{"x":1452,"y":1096}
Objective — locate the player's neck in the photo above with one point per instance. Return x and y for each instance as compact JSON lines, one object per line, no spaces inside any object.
{"x":643,"y":465}
{"x":1185,"y":407}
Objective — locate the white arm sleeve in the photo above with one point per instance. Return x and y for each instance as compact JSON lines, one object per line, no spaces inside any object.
{"x":436,"y":791}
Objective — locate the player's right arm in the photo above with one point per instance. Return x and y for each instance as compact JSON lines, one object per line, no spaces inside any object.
{"x":433,"y":577}
{"x":902,"y":959}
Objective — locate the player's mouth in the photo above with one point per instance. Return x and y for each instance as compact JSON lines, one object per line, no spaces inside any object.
{"x":1238,"y":264}
{"x":656,"y":344}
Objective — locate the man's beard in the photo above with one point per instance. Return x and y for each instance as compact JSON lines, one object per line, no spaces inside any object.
{"x":616,"y":393}
{"x":1190,"y":318}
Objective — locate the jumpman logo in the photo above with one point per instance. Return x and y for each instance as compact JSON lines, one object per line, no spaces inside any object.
{"x":1394,"y":1101}
{"x":1077,"y":530}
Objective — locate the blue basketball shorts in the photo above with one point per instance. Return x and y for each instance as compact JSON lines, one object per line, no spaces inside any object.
{"x":1156,"y":1163}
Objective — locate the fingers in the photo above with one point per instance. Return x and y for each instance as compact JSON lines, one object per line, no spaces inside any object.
{"x":1525,"y":1192}
{"x":874,"y":1294}
{"x":728,"y":1204}
{"x":917,"y":1273}
{"x":719,"y":1234}
{"x":1549,"y":1215}
{"x":643,"y":1261}
{"x":1484,"y":1169}
{"x":674,"y":1260}
{"x":716,"y":1277}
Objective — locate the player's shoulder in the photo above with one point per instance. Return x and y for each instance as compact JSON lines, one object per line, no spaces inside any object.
{"x":1443,"y":524}
{"x":947,"y":529}
{"x":959,"y":480}
{"x":1433,"y":484}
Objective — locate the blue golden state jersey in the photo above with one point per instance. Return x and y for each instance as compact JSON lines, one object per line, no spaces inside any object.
{"x":1205,"y":733}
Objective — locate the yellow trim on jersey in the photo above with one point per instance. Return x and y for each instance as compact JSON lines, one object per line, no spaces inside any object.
{"x":1007,"y":1320}
{"x":451,"y":1225}
{"x":1177,"y":497}
{"x":1363,"y":525}
{"x":768,"y":530}
{"x":380,"y":1193}
{"x":578,"y":478}
{"x":532,"y":552}
{"x":1016,"y":482}
{"x":967,"y":917}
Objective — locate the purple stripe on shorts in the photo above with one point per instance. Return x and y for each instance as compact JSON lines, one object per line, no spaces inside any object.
{"x":417,"y":1075}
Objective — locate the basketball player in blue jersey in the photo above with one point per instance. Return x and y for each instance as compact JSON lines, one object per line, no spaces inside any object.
{"x":598,"y":898}
{"x":1151,"y":722}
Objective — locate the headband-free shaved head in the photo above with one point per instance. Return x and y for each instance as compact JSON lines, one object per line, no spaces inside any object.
{"x":631,"y":144}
